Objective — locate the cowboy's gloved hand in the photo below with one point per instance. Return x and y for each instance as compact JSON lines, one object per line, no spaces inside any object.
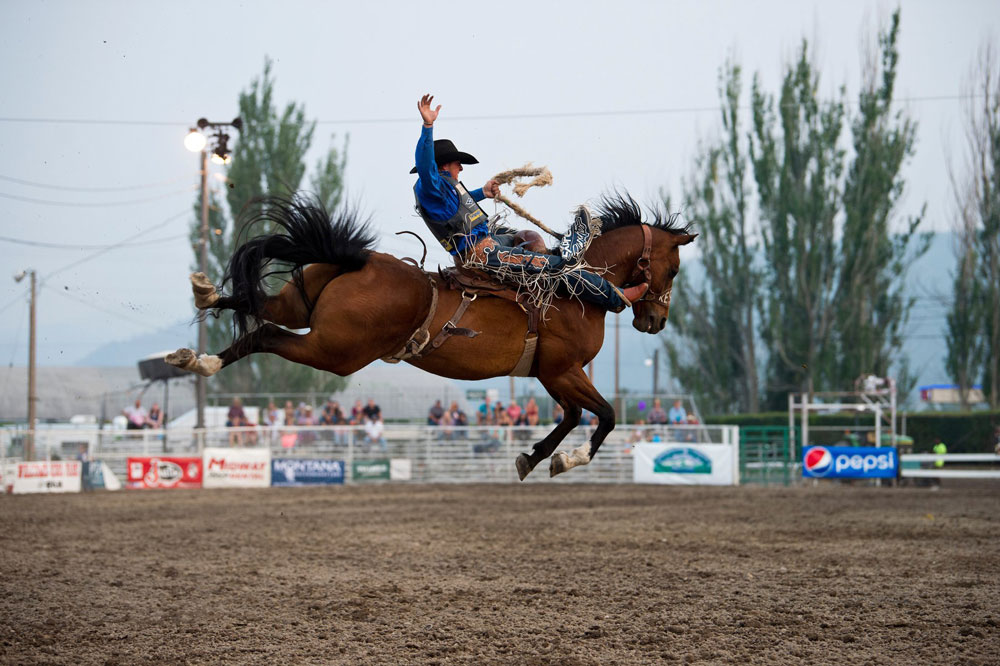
{"x":491,"y":189}
{"x":426,"y":112}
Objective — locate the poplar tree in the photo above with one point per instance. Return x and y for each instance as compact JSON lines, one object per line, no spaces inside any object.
{"x":803,"y":287}
{"x":973,"y":333}
{"x":871,"y":306}
{"x":714,"y":354}
{"x":798,"y":165}
{"x":268,"y":159}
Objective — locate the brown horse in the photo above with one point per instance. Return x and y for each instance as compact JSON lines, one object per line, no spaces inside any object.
{"x":361,"y":305}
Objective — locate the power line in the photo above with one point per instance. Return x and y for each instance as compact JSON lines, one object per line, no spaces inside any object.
{"x":74,"y":204}
{"x":77,"y":246}
{"x":513,"y":116}
{"x":16,"y":299}
{"x":66,"y":294}
{"x":95,"y":121}
{"x":69,"y":188}
{"x":111,"y":247}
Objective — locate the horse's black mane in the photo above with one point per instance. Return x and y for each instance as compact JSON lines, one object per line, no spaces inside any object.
{"x":618,"y":210}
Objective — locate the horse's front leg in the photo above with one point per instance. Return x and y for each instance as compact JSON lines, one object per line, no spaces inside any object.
{"x":543,"y":449}
{"x":578,"y":391}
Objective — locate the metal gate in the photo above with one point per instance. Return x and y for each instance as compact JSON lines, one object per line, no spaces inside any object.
{"x":767,"y":455}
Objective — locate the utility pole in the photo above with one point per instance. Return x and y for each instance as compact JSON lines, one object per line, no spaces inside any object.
{"x":656,"y":371}
{"x":203,"y":267}
{"x":29,"y":449}
{"x":29,"y":442}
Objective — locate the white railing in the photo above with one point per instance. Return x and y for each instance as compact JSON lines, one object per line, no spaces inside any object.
{"x":436,"y":454}
{"x":974,"y":471}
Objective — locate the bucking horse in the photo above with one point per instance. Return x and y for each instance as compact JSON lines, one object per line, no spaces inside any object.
{"x":360,"y":305}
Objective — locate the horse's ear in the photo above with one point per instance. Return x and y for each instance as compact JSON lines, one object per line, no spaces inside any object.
{"x":684,"y":239}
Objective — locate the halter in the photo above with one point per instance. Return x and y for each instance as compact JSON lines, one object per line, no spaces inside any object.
{"x":642,"y":270}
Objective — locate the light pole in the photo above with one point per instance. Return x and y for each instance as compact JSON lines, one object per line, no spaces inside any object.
{"x":197,"y":142}
{"x":29,"y":442}
{"x":654,"y":363}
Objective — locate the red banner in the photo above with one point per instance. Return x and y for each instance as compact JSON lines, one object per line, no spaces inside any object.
{"x":164,"y":472}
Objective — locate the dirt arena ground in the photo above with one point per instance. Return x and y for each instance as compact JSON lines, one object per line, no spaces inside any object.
{"x":526,"y":574}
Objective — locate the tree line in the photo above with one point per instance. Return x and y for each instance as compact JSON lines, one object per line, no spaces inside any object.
{"x":804,"y":251}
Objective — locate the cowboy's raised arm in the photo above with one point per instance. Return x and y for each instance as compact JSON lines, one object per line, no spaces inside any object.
{"x":426,"y":166}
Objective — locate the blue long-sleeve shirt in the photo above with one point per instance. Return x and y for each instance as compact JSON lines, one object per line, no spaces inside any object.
{"x":437,"y":197}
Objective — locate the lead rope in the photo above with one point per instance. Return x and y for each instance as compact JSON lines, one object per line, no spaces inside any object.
{"x":541,"y":178}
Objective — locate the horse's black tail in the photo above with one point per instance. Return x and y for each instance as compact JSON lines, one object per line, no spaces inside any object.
{"x":304,"y":233}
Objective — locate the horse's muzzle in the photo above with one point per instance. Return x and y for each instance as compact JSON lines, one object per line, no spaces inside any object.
{"x":649,"y":322}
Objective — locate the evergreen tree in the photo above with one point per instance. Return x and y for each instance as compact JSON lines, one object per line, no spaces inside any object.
{"x":268,"y":159}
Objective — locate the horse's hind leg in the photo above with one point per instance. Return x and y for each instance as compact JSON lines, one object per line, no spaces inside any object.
{"x":268,"y":338}
{"x":286,"y":308}
{"x":301,"y":348}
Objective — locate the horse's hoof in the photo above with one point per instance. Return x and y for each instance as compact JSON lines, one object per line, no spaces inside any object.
{"x":182,"y":358}
{"x":205,"y":295}
{"x":559,"y":463}
{"x":203,"y":365}
{"x":523,"y":466}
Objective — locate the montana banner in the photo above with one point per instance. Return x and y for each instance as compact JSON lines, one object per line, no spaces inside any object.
{"x":237,"y":468}
{"x":684,"y":464}
{"x":849,"y":462}
{"x":163,"y":472}
{"x":56,"y":476}
{"x":306,"y":472}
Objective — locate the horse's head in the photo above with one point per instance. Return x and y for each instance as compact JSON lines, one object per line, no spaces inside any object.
{"x":649,"y":314}
{"x":643,"y":252}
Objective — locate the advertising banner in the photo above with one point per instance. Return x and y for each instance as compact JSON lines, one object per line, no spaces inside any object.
{"x":163,"y":472}
{"x":400,"y":469}
{"x":849,"y":462}
{"x":370,"y":470}
{"x":56,"y":476}
{"x":684,"y":464}
{"x":237,"y":468}
{"x":98,"y":476}
{"x":306,"y":472}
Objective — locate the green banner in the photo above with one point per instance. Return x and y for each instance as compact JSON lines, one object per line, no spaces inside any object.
{"x":370,"y":470}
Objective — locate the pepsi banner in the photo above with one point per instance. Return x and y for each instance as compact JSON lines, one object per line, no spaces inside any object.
{"x":849,"y":462}
{"x":306,"y":472}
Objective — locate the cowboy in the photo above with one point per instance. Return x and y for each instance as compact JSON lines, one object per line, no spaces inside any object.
{"x":452,"y":214}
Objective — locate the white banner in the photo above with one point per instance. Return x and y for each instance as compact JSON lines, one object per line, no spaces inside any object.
{"x":400,"y":469}
{"x":57,"y":476}
{"x":684,"y":464}
{"x":236,"y":468}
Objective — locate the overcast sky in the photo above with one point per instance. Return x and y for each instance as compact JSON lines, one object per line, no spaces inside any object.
{"x":139,"y":74}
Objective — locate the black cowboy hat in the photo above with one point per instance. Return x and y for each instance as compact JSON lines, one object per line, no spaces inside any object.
{"x":445,"y":151}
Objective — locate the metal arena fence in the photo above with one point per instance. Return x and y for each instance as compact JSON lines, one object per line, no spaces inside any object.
{"x":444,"y":454}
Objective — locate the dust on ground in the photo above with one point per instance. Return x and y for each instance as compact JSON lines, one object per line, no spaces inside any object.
{"x":536,"y":574}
